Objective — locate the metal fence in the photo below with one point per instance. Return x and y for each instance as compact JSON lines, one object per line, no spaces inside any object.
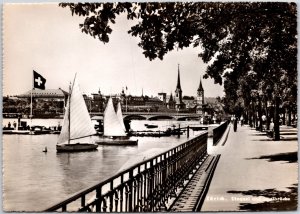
{"x":144,"y":187}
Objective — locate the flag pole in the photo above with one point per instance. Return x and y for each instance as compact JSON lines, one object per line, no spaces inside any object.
{"x":126,"y":100}
{"x":31,"y":101}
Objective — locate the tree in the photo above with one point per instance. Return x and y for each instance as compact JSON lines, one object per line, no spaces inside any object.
{"x":250,"y":46}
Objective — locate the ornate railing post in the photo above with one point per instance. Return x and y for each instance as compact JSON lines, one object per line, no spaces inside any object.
{"x":122,"y":194}
{"x":98,"y":196}
{"x":130,"y":183}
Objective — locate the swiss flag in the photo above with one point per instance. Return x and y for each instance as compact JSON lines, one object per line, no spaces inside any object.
{"x":38,"y":81}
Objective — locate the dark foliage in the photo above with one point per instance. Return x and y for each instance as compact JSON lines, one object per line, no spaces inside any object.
{"x":250,"y":47}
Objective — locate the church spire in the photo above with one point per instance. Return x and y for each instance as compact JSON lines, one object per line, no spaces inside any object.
{"x":178,"y":80}
{"x":171,"y":97}
{"x":200,"y":88}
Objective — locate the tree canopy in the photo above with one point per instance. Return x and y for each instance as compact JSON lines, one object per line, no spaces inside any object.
{"x":251,"y":48}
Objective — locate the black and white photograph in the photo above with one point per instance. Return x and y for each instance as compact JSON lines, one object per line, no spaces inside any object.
{"x":149,"y":106}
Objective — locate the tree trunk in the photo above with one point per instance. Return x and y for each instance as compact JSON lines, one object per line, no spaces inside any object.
{"x":276,"y":120}
{"x":268,"y":118}
{"x":289,"y":117}
{"x":260,"y":116}
{"x":249,"y":117}
{"x":256,"y":119}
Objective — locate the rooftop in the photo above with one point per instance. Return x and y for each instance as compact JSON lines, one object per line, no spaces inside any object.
{"x":48,"y":93}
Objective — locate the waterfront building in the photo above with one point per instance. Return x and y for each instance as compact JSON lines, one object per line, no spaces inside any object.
{"x":135,"y":100}
{"x":163,"y":97}
{"x":178,"y":94}
{"x":190,"y":103}
{"x":154,"y":102}
{"x":98,"y":102}
{"x":88,"y":102}
{"x":46,"y":103}
{"x":130,"y":100}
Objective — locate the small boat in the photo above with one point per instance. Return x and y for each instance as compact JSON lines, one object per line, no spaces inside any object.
{"x":150,"y":134}
{"x":38,"y":130}
{"x":77,"y":130}
{"x":151,"y":126}
{"x":45,"y":150}
{"x":21,"y":132}
{"x":114,"y":128}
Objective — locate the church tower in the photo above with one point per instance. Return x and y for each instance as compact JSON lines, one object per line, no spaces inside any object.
{"x":178,"y":93}
{"x":200,"y":98}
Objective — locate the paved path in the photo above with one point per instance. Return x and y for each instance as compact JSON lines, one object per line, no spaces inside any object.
{"x":252,"y":166}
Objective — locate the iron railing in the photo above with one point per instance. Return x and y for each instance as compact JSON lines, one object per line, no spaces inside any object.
{"x":144,"y":187}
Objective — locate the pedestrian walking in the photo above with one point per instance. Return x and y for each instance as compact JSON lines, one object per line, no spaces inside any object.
{"x":235,"y":124}
{"x":15,"y":124}
{"x":264,"y":122}
{"x":242,"y":120}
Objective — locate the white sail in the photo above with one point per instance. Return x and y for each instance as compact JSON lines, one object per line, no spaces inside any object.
{"x":120,"y":116}
{"x":64,"y":133}
{"x":79,"y":119}
{"x":112,"y":126}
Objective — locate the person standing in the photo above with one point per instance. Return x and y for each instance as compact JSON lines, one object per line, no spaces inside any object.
{"x":242,"y":120}
{"x":264,"y":122}
{"x":235,"y":124}
{"x":15,"y":125}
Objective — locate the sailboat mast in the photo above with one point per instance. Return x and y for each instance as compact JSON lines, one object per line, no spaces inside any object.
{"x":69,"y":115}
{"x":31,"y":102}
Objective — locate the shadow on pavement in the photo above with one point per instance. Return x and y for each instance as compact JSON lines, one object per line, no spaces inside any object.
{"x":258,"y":134}
{"x":281,"y":139}
{"x":280,"y":200}
{"x":288,"y":133}
{"x":290,"y":157}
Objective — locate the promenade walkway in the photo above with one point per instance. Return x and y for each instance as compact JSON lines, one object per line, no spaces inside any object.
{"x":254,"y":172}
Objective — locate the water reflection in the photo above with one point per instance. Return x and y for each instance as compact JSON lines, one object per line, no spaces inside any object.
{"x":75,"y":170}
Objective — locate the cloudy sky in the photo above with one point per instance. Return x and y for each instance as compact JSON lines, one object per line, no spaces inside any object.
{"x":46,"y":38}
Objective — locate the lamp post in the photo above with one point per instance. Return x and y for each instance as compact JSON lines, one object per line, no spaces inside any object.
{"x":250,"y":115}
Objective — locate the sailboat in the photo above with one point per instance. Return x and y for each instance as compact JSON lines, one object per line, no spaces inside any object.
{"x":77,"y":127}
{"x":114,"y":128}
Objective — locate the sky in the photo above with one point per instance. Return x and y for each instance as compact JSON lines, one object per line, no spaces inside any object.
{"x":46,"y":38}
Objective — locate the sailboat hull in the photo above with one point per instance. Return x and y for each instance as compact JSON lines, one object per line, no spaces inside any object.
{"x":78,"y":147}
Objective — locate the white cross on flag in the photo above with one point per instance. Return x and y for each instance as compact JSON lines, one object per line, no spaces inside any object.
{"x":38,"y":81}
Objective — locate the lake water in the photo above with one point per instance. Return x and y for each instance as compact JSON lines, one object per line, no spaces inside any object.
{"x":33,"y":180}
